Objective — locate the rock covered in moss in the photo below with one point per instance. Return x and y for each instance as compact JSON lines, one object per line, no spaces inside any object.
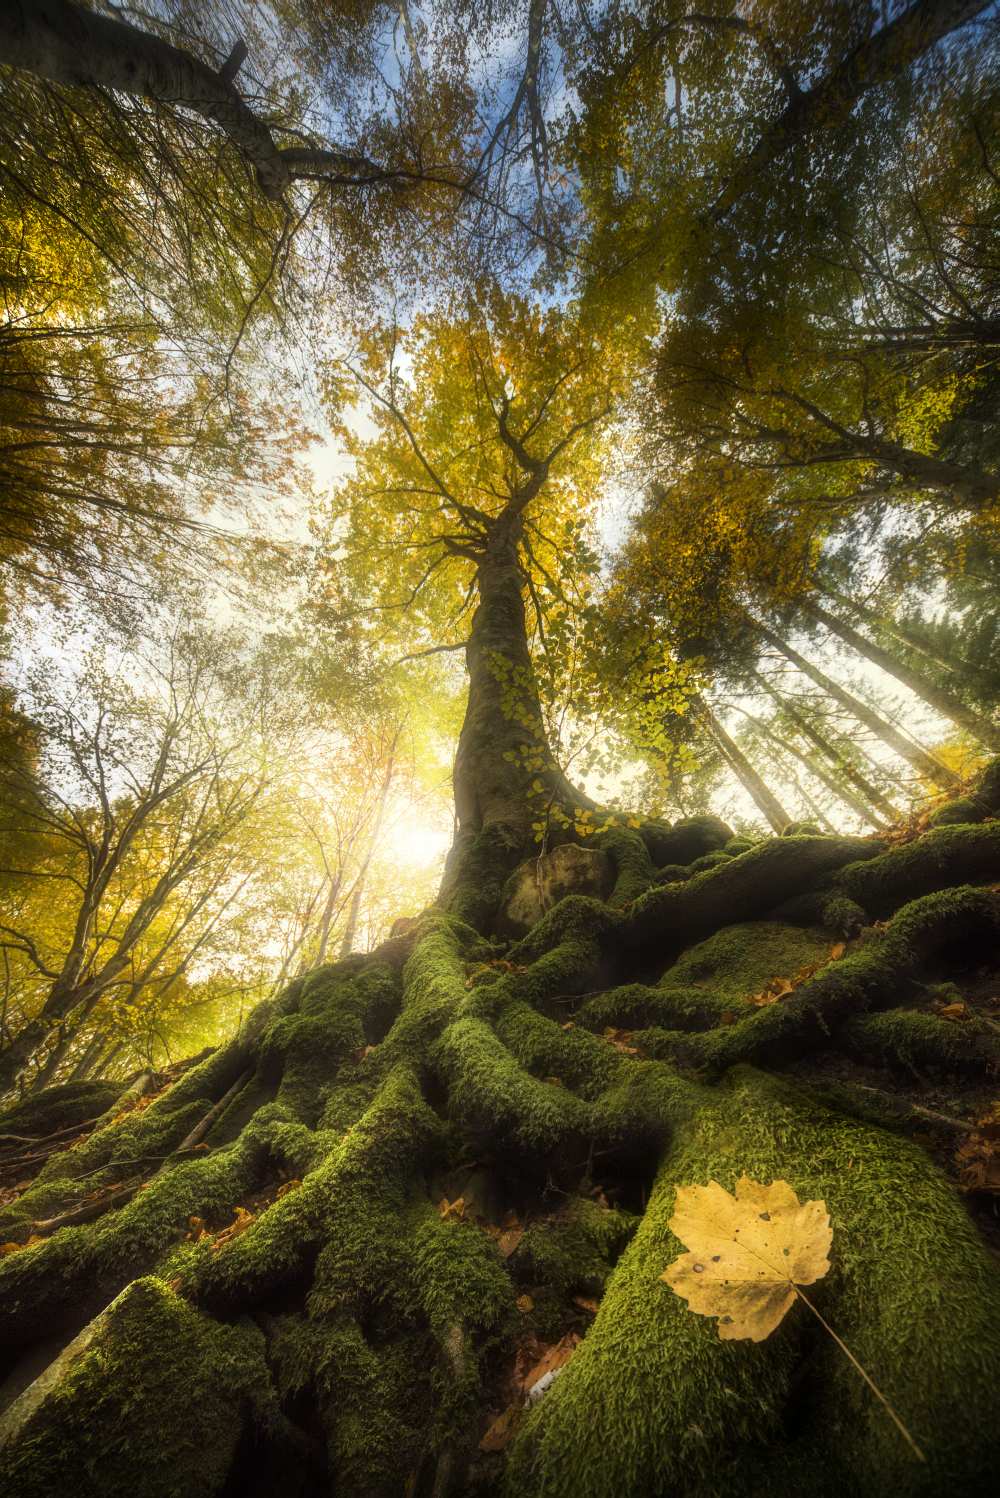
{"x":686,"y":840}
{"x":57,"y":1108}
{"x":539,"y":883}
{"x":802,"y":829}
{"x":148,"y":1401}
{"x":710,"y":861}
{"x":960,"y":809}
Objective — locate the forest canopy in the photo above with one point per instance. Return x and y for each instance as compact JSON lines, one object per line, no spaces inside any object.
{"x":499,"y":659}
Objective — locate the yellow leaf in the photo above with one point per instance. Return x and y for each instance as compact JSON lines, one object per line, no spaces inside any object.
{"x":525,"y":1304}
{"x":747,"y":1253}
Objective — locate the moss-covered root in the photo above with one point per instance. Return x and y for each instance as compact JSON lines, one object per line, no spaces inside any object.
{"x":148,"y":1402}
{"x":653,"y":1402}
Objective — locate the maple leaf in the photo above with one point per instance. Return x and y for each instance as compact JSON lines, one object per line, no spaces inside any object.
{"x":747,"y":1253}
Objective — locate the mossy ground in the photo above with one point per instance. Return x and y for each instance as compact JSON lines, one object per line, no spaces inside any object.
{"x":453,"y":1153}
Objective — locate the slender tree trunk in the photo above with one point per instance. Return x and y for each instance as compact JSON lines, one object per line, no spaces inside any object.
{"x":766,"y":802}
{"x":354,"y":910}
{"x":939,"y":698}
{"x":893,"y":626}
{"x":834,"y":786}
{"x":876,"y":799}
{"x":921,"y":759}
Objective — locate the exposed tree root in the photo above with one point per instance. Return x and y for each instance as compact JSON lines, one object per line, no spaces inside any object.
{"x":480,"y":1164}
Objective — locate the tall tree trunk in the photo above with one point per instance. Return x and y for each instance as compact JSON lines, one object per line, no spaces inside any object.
{"x":835,"y":787}
{"x":876,"y":799}
{"x":829,"y":101}
{"x":72,"y":44}
{"x":939,"y":698}
{"x":894,"y":627}
{"x":766,"y":802}
{"x":921,"y":759}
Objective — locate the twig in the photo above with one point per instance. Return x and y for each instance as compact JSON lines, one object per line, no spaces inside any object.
{"x":868,"y":1380}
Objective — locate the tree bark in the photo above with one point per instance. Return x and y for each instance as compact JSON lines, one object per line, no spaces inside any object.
{"x":920,"y":759}
{"x":766,"y":802}
{"x":828,"y":103}
{"x":939,"y":698}
{"x":73,"y":45}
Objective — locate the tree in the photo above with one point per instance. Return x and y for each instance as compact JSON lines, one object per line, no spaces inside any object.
{"x":404,"y":1229}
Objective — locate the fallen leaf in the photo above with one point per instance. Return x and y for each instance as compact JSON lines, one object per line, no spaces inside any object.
{"x":727,"y":1017}
{"x":503,"y":1427}
{"x":288,"y":1186}
{"x":452,"y":1209}
{"x":553,"y":1081}
{"x":747,"y":1253}
{"x":587,"y":1303}
{"x":538,"y":1378}
{"x":956,"y":1011}
{"x":508,"y":1240}
{"x":525,"y":1304}
{"x":569,"y":1025}
{"x":241,"y":1221}
{"x":837,"y":950}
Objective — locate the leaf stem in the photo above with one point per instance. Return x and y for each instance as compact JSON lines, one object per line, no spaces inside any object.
{"x":868,"y":1380}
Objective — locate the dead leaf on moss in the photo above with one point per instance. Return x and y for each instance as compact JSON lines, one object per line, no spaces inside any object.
{"x":587,"y":1303}
{"x":502,"y":1429}
{"x":955,"y":1012}
{"x":748,"y":1251}
{"x":292,"y":1185}
{"x":524,"y":1304}
{"x":448,"y":1209}
{"x":837,"y":950}
{"x":242,"y":1219}
{"x":554,"y":1359}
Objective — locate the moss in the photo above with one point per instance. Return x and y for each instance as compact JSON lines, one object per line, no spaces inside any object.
{"x":739,"y":845}
{"x":873,"y":977}
{"x":634,"y":871}
{"x":742,"y":889}
{"x":58,"y":1108}
{"x":710,"y":861}
{"x":685,"y":840}
{"x":802,"y":829}
{"x":497,"y":1100}
{"x":673,"y":873}
{"x":458,"y":1276}
{"x":739,"y":960}
{"x":542,"y":1047}
{"x":151,"y":1408}
{"x":375,"y":1407}
{"x":654,"y":1402}
{"x":942,"y":857}
{"x":477,"y":869}
{"x":960,"y":809}
{"x":635,"y":1005}
{"x":919,"y":1042}
{"x":574,"y":1251}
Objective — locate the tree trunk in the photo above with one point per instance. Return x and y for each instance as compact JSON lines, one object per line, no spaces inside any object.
{"x":74,"y":45}
{"x":921,"y":759}
{"x":426,"y":1177}
{"x":829,"y":102}
{"x":874,"y":797}
{"x":939,"y":698}
{"x":835,"y":787}
{"x":893,"y":626}
{"x":766,"y":802}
